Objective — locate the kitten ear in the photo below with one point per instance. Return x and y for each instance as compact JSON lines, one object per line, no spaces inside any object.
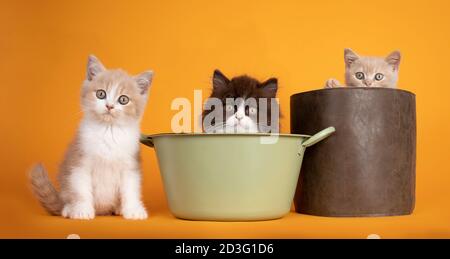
{"x":219,"y":80}
{"x":394,"y":59}
{"x":270,"y":86}
{"x":350,"y":56}
{"x":94,"y":67}
{"x":144,"y":81}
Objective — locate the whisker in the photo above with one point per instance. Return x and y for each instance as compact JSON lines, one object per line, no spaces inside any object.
{"x":214,"y":127}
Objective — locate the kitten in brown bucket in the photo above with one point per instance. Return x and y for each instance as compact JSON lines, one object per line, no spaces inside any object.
{"x":100,"y":174}
{"x":368,"y":71}
{"x":245,"y":105}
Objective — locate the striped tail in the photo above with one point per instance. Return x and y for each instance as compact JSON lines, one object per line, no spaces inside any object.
{"x":44,"y":190}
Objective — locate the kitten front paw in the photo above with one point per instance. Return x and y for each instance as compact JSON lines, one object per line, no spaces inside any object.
{"x":332,"y":83}
{"x":136,"y":213}
{"x":78,"y":211}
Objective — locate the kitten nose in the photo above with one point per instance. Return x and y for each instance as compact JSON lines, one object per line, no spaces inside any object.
{"x":239,"y":115}
{"x":109,"y":107}
{"x":368,"y":82}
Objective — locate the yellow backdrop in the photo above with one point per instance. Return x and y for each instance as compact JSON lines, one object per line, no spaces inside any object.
{"x":43,"y":52}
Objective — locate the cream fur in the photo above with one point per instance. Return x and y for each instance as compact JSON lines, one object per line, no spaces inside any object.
{"x":100,"y":174}
{"x":369,"y":66}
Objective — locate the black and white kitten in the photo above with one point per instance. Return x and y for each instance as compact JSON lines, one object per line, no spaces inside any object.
{"x":246,"y":105}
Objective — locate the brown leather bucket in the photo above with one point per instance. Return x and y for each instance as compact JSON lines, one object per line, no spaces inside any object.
{"x":367,"y":168}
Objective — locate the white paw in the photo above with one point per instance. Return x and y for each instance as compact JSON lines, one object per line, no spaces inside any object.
{"x":332,"y":83}
{"x":136,"y":213}
{"x":78,"y":211}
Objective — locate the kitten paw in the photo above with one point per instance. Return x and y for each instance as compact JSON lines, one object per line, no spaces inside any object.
{"x":332,"y":83}
{"x":78,"y":211}
{"x":136,"y":213}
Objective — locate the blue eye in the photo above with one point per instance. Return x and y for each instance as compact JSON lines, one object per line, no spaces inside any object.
{"x":379,"y":77}
{"x":101,"y":94}
{"x":359,"y":75}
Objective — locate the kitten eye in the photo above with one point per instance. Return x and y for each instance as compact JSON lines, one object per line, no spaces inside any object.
{"x":252,"y":110}
{"x":379,"y":77}
{"x":123,"y":99}
{"x":101,"y":94}
{"x":359,"y":75}
{"x":229,"y":108}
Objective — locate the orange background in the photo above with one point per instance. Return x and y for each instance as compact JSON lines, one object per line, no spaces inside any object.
{"x":43,"y":52}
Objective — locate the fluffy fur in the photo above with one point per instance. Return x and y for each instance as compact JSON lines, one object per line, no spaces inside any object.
{"x":369,"y":71}
{"x":100,"y":173}
{"x":242,"y":117}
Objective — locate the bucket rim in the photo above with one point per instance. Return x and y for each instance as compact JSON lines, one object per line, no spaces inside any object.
{"x":201,"y":134}
{"x":346,"y":88}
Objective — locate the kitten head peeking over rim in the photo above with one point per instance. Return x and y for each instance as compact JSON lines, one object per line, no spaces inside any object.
{"x":112,"y":96}
{"x":363,"y":71}
{"x":371,"y":71}
{"x":246,"y":105}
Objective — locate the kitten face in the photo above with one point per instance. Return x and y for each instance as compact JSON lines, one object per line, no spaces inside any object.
{"x":371,"y":71}
{"x":241,"y":116}
{"x":240,"y":98}
{"x":113,"y":96}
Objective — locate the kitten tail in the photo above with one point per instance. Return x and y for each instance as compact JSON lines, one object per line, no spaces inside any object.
{"x":44,"y":190}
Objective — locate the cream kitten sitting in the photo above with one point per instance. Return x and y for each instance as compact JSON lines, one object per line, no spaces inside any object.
{"x":369,"y":71}
{"x":100,"y":173}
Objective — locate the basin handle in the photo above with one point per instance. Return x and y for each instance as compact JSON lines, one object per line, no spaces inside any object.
{"x":146,"y":140}
{"x":318,"y":136}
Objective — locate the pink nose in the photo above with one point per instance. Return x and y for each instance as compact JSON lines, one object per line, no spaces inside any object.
{"x":109,"y":107}
{"x":368,"y":82}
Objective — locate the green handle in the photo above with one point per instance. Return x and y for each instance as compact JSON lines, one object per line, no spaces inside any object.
{"x":146,"y":140}
{"x":318,"y":136}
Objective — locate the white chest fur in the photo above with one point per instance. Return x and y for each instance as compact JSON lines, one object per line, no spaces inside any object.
{"x":109,"y":142}
{"x":109,"y":153}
